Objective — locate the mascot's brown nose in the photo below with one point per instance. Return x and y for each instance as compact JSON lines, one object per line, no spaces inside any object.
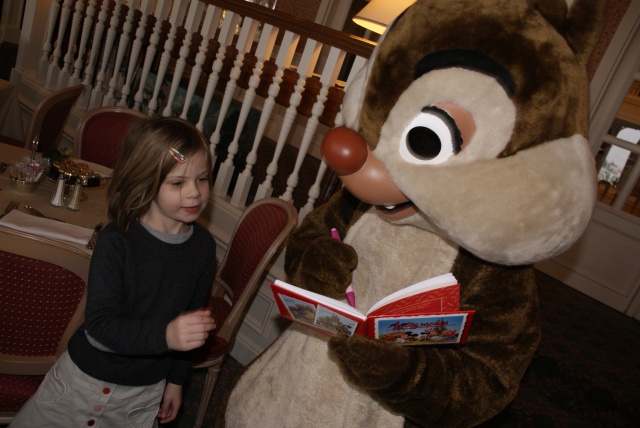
{"x":361,"y":172}
{"x":344,"y":150}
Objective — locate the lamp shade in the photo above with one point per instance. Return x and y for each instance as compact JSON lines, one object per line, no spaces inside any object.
{"x":378,"y":14}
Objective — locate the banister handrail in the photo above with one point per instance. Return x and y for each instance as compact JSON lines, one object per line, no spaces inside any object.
{"x":208,"y":67}
{"x":347,"y":42}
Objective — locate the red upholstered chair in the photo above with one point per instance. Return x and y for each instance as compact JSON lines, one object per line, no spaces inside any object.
{"x":260,"y":232}
{"x":43,"y":294}
{"x":49,"y":118}
{"x":100,"y":133}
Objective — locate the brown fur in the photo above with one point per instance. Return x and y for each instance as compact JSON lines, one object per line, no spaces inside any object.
{"x":550,"y":79}
{"x":467,"y":385}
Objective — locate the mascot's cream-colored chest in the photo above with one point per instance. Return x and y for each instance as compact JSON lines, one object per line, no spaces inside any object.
{"x":299,"y":366}
{"x":391,"y":257}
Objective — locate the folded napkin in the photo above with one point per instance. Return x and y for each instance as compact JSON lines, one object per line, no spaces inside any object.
{"x":46,"y":227}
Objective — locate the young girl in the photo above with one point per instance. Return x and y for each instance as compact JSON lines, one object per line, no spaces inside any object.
{"x":150,"y":274}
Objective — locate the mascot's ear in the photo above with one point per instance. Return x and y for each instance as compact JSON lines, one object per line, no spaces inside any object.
{"x":554,"y":11}
{"x":580,"y":21}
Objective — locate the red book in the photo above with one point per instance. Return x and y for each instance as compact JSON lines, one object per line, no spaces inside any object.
{"x":426,"y":313}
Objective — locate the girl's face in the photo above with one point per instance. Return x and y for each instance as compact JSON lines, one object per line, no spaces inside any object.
{"x":182,"y":196}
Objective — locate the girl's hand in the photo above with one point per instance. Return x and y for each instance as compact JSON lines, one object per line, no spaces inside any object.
{"x":190,"y":330}
{"x":171,"y":401}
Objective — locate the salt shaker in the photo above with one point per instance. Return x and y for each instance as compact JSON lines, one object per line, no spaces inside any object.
{"x":74,"y":199}
{"x":56,"y":201}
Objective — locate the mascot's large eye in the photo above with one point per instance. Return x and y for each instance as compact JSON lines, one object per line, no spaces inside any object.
{"x":430,"y":138}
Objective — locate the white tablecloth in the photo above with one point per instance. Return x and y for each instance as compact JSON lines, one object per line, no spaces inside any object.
{"x":48,"y":228}
{"x":92,"y":210}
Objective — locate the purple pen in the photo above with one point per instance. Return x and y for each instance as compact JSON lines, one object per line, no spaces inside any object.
{"x":335,"y":234}
{"x":351,"y":295}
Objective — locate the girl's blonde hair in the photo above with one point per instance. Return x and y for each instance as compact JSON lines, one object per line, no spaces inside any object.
{"x":144,"y":162}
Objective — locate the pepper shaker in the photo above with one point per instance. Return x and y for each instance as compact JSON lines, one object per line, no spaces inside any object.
{"x":56,"y":201}
{"x":74,"y":199}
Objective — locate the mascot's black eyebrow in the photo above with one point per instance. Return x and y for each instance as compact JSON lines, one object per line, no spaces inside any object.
{"x":464,"y":58}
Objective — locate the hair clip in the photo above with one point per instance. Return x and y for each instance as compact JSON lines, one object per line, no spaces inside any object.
{"x":179,"y":157}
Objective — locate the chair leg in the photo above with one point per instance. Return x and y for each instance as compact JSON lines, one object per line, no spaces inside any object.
{"x":207,"y":392}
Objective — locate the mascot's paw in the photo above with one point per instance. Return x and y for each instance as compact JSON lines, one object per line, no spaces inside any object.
{"x":326,"y":267}
{"x":371,"y":364}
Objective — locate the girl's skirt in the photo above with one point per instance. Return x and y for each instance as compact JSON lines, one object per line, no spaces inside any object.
{"x":70,"y":398}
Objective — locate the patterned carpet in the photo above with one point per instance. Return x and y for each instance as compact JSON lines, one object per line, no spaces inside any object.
{"x":585,"y":373}
{"x":191,"y":399}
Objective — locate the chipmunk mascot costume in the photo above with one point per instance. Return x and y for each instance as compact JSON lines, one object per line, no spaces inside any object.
{"x":464,"y":150}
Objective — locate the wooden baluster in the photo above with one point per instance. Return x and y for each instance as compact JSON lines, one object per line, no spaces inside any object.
{"x":53,"y":70}
{"x":207,"y":31}
{"x":263,"y":53}
{"x":314,"y":191}
{"x":243,"y":45}
{"x":178,"y":11}
{"x":123,"y":45}
{"x":65,"y":74}
{"x":97,"y":93}
{"x":327,"y":79}
{"x":191,"y":26}
{"x":285,"y":55}
{"x":225,"y":38}
{"x":84,"y":38}
{"x":83,"y":101}
{"x":245,"y":41}
{"x":305,"y":70}
{"x":161,"y":12}
{"x":43,"y":65}
{"x":145,"y":8}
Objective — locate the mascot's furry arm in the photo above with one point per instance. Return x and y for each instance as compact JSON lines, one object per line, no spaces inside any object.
{"x":428,"y":385}
{"x":449,"y":386}
{"x":316,"y":261}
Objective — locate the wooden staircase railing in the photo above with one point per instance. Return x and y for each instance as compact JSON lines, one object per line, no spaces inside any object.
{"x":205,"y":61}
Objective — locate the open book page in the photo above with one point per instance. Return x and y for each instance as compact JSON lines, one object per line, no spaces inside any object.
{"x":319,"y":312}
{"x":436,"y":329}
{"x":426,"y":313}
{"x":438,"y":294}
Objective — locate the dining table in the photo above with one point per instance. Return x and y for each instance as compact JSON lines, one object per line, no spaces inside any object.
{"x":93,"y":202}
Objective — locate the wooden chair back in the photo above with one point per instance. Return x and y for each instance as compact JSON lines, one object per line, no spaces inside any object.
{"x":261,"y":230}
{"x":100,"y":134}
{"x":50,"y":117}
{"x":43,"y":290}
